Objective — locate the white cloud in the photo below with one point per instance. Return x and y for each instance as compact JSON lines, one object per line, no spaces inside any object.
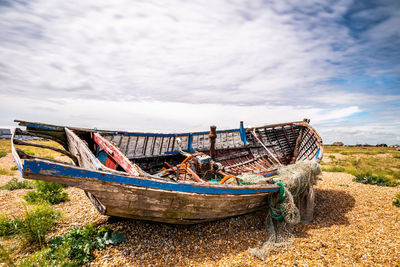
{"x":181,"y":51}
{"x":185,"y":64}
{"x":161,"y":116}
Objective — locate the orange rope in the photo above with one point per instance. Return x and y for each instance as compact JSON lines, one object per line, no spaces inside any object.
{"x":226,"y":178}
{"x":191,"y":156}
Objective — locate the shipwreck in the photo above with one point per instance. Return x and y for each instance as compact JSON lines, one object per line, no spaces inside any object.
{"x":180,"y":178}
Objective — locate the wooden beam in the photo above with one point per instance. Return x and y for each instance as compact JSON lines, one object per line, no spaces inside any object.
{"x":116,"y":155}
{"x":213,"y":136}
{"x":24,"y":155}
{"x":18,"y":131}
{"x":62,"y":151}
{"x":296,"y":148}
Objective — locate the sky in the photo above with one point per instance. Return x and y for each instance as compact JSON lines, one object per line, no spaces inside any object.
{"x":168,"y":66}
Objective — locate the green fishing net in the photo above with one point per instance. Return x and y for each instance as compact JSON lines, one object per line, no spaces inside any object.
{"x":295,"y":204}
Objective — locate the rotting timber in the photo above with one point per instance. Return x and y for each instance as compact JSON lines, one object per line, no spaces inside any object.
{"x":181,"y":178}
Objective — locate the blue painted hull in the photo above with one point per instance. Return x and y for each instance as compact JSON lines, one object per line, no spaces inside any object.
{"x":147,"y":199}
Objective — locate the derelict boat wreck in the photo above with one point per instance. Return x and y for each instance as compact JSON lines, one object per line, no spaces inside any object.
{"x":181,"y":178}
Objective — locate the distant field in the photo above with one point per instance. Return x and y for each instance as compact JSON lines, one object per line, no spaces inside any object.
{"x":380,"y":161}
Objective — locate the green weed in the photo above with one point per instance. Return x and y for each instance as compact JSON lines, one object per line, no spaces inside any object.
{"x":3,"y":153}
{"x":5,"y":172}
{"x":332,"y":157}
{"x":367,"y":178}
{"x":334,"y":169}
{"x":14,"y":168}
{"x":10,"y":226}
{"x":52,"y":193}
{"x":397,"y":201}
{"x":396,"y":156}
{"x":33,"y":226}
{"x":38,"y":221}
{"x":76,"y":247}
{"x":14,"y":184}
{"x":5,"y":257}
{"x":29,"y":151}
{"x":43,"y":258}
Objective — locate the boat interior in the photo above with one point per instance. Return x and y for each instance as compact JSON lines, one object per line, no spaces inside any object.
{"x":212,"y":156}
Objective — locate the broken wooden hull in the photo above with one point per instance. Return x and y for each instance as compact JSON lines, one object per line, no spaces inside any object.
{"x":131,"y":197}
{"x":146,"y":197}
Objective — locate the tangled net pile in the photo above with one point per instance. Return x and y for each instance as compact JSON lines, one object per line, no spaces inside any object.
{"x":296,"y":181}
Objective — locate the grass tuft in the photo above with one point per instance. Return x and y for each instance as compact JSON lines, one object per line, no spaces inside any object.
{"x":52,"y":193}
{"x":3,"y":153}
{"x":5,"y":172}
{"x":334,"y":169}
{"x":10,"y":226}
{"x":38,"y":221}
{"x":367,"y":178}
{"x":29,"y":151}
{"x":5,"y":257}
{"x":33,"y":226}
{"x":14,"y":184}
{"x":14,"y":168}
{"x":397,"y":201}
{"x":75,"y":248}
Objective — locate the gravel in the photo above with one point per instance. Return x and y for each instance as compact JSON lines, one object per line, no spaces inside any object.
{"x":354,"y":224}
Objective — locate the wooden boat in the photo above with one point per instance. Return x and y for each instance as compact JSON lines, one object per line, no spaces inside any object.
{"x":177,"y":178}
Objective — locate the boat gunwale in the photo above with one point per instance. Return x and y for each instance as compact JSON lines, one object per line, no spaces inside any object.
{"x":38,"y":167}
{"x":107,"y":171}
{"x":53,"y":127}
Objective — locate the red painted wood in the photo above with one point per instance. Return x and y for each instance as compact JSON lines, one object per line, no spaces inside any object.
{"x":110,"y":163}
{"x":115,"y":155}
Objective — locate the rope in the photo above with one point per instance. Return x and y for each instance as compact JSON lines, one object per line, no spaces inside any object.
{"x":226,"y":178}
{"x":285,"y":208}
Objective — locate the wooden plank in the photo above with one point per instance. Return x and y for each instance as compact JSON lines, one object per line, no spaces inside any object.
{"x":62,"y":151}
{"x":131,"y":148}
{"x":124,"y":143}
{"x":80,"y":150}
{"x":146,"y":139}
{"x":139,"y":146}
{"x":160,"y":145}
{"x":115,"y":154}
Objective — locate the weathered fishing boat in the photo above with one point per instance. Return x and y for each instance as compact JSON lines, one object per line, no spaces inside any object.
{"x":181,"y":178}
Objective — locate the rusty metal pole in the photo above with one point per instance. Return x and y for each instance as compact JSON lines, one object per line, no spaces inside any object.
{"x":213,"y":136}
